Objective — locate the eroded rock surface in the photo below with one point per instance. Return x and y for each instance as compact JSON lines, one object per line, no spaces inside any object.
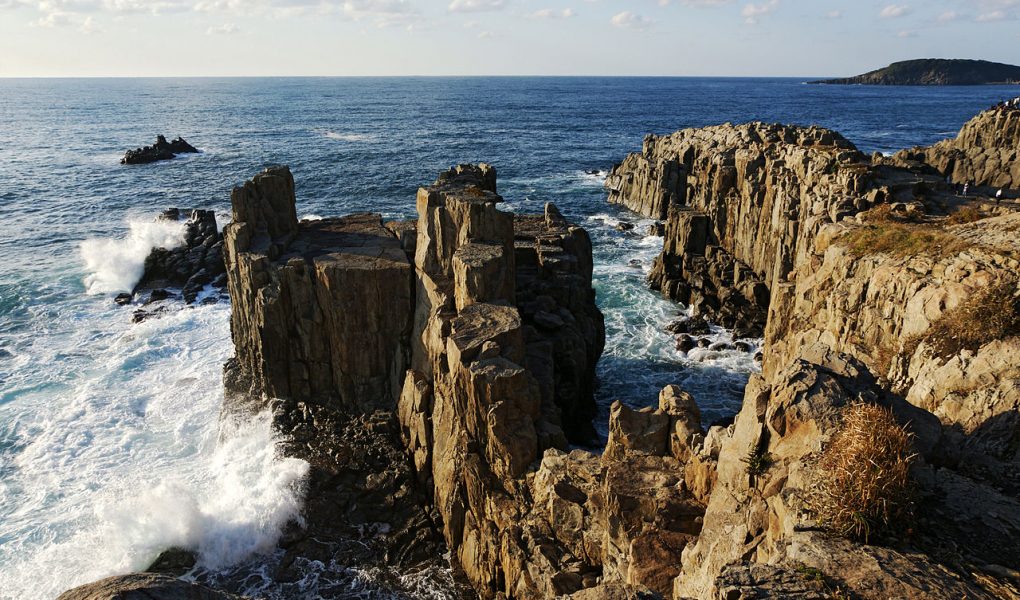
{"x":986,"y":152}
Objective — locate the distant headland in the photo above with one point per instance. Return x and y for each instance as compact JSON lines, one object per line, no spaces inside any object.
{"x":935,"y":71}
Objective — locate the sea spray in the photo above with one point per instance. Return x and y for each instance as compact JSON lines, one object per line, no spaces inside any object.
{"x":126,"y":455}
{"x":116,"y":265}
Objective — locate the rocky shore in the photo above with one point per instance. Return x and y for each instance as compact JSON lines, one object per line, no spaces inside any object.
{"x":438,"y":376}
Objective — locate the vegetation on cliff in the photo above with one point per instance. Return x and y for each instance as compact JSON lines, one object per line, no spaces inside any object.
{"x":865,"y":489}
{"x":934,"y":71}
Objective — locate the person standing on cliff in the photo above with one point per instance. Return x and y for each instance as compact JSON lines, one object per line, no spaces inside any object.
{"x":966,"y":189}
{"x":998,"y":197}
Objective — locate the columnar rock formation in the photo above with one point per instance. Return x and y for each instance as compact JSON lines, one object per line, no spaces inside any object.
{"x":740,"y":202}
{"x":985,"y":152}
{"x":494,"y":333}
{"x":859,"y":308}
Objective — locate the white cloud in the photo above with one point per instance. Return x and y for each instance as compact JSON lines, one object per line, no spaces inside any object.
{"x":484,"y":35}
{"x":753,"y":12}
{"x":834,"y":14}
{"x":225,"y":29}
{"x":475,"y":5}
{"x":89,"y":26}
{"x":629,"y":20}
{"x":893,"y":11}
{"x":906,"y":34}
{"x":995,"y":15}
{"x":948,"y":17}
{"x":549,"y":13}
{"x":53,"y":19}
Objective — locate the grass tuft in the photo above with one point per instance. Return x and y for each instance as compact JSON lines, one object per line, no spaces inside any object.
{"x":865,"y":486}
{"x":884,"y":232}
{"x":991,"y":314}
{"x":966,"y":214}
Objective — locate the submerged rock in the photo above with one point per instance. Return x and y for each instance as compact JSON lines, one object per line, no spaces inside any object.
{"x":161,"y":150}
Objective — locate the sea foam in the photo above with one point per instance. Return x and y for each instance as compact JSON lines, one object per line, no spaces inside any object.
{"x":116,"y":265}
{"x":129,"y":457}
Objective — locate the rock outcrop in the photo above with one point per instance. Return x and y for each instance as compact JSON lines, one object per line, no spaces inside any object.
{"x":935,"y":71}
{"x":161,"y":150}
{"x":144,"y":586}
{"x":474,"y":334}
{"x":196,"y":263}
{"x":986,"y":152}
{"x":740,"y":201}
{"x":861,"y":304}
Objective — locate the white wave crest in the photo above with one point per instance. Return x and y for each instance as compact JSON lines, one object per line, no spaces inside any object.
{"x":349,"y":137}
{"x":116,"y":265}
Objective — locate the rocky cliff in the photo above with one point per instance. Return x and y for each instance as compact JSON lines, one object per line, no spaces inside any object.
{"x":935,"y":71}
{"x":986,"y":152}
{"x":880,"y":288}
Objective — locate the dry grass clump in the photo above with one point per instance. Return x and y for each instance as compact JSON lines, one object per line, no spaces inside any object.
{"x":902,"y":240}
{"x":866,"y":488}
{"x":991,"y":314}
{"x":966,"y":214}
{"x":888,"y":232}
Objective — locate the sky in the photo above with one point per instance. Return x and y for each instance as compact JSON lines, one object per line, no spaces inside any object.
{"x":89,"y":38}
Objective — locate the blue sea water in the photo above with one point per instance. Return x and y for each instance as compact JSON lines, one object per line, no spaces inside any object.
{"x":110,"y":445}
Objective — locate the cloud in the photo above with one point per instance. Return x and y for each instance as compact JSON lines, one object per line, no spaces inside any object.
{"x":475,"y":5}
{"x":948,"y":17}
{"x":485,"y":35}
{"x":549,"y":13}
{"x":629,"y":20}
{"x":834,"y":14}
{"x":225,"y":29}
{"x":894,"y":11}
{"x":88,"y":26}
{"x":906,"y":34}
{"x":753,"y":12}
{"x":995,"y":15}
{"x":53,"y":19}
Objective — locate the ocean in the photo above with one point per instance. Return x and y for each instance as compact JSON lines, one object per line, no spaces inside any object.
{"x":110,"y":444}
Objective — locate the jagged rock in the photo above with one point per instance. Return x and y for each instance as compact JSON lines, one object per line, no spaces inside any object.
{"x":144,"y":586}
{"x":161,"y":150}
{"x":123,"y":299}
{"x":194,"y":264}
{"x":691,"y":325}
{"x":983,"y":153}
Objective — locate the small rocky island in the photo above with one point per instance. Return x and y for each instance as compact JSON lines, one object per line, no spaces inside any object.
{"x":438,"y":376}
{"x":935,"y":71}
{"x":161,"y":150}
